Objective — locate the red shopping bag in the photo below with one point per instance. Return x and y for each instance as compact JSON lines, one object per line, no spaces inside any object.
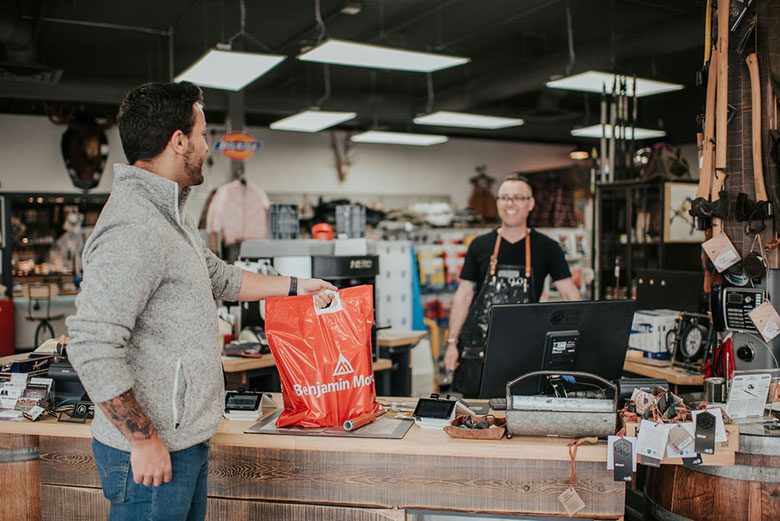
{"x":323,"y":357}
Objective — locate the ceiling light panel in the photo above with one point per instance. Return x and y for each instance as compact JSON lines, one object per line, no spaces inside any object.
{"x":342,"y":52}
{"x":462,"y":119}
{"x":398,"y":138}
{"x":229,"y":70}
{"x":595,"y":81}
{"x":312,"y":121}
{"x":594,"y":131}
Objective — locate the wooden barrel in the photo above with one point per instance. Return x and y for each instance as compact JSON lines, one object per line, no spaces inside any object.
{"x":749,"y":490}
{"x":20,"y":478}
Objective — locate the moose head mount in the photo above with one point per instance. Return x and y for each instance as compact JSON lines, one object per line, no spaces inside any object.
{"x":84,"y":145}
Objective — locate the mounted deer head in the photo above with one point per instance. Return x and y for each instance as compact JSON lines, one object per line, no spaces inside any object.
{"x":84,"y":145}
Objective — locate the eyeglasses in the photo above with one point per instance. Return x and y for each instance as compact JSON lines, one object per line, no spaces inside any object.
{"x":517,"y":199}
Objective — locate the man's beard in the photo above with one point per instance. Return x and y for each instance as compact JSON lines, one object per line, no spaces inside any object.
{"x":193,"y":167}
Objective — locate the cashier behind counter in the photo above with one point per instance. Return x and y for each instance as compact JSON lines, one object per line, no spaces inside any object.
{"x":505,"y":266}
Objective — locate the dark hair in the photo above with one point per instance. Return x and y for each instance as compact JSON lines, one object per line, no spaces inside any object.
{"x":517,"y":176}
{"x":151,"y":113}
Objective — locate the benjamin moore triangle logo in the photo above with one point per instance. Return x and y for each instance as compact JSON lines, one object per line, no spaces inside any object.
{"x":343,"y":366}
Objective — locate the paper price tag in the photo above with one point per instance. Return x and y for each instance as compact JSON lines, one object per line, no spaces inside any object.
{"x":720,"y":427}
{"x":725,"y":260}
{"x":681,"y":441}
{"x":652,"y":438}
{"x":642,"y":400}
{"x":610,"y":450}
{"x":705,"y":433}
{"x":766,"y":320}
{"x":721,"y":252}
{"x":571,"y":501}
{"x":622,"y":452}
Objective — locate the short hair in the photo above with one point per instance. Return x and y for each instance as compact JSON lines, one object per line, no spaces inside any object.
{"x":517,"y":176}
{"x":151,"y":113}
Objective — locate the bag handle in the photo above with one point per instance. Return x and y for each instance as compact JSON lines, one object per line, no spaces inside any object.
{"x":334,"y":307}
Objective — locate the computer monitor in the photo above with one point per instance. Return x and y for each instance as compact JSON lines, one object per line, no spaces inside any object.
{"x":590,"y":337}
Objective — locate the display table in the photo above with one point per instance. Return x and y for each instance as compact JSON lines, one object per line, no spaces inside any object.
{"x":676,"y":376}
{"x":253,"y":476}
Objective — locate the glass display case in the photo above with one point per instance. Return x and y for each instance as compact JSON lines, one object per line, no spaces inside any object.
{"x":42,"y":236}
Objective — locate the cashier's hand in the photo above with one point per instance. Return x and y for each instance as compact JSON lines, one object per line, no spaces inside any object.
{"x":451,"y":358}
{"x":150,"y":461}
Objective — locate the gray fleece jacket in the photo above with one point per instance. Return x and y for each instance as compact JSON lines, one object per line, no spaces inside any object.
{"x":146,"y":317}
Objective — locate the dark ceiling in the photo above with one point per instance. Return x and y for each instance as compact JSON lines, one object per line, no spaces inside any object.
{"x":104,"y":48}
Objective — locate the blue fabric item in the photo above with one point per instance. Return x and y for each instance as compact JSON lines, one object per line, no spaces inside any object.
{"x":418,"y":314}
{"x":181,"y":499}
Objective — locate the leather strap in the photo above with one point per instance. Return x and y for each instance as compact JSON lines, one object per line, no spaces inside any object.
{"x":494,"y":257}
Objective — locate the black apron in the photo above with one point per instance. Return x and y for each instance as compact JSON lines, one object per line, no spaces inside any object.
{"x":504,"y":284}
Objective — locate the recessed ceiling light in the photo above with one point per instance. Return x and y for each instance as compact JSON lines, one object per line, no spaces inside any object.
{"x":462,"y":119}
{"x":312,"y":120}
{"x":342,"y":52}
{"x":595,"y":81}
{"x":229,"y":70}
{"x":352,"y":8}
{"x":398,"y":138}
{"x":580,"y":153}
{"x":594,"y":131}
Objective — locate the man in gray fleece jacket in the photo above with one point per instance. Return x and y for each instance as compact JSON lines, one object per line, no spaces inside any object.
{"x":144,"y":339}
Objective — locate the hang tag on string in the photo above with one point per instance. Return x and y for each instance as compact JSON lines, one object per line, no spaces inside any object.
{"x":622,"y":456}
{"x":705,"y":433}
{"x":571,"y":501}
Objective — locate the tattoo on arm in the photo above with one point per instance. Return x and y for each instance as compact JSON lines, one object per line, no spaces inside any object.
{"x":126,"y":414}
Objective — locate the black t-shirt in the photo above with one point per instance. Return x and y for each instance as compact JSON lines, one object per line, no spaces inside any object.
{"x":546,"y":259}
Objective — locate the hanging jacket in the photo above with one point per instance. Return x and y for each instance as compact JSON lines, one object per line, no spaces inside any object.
{"x":239,"y":211}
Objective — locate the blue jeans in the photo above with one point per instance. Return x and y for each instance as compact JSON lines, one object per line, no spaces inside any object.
{"x":182,"y":499}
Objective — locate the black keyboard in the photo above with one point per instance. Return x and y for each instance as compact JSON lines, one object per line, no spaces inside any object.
{"x":497,"y":404}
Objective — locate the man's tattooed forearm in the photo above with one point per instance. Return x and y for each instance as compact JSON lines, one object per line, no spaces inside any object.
{"x":127,"y":416}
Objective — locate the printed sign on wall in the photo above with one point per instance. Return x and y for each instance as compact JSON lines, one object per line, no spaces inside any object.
{"x":238,"y":146}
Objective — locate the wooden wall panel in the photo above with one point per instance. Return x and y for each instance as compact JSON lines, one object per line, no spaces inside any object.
{"x":466,"y":484}
{"x":73,"y":504}
{"x":68,"y":461}
{"x":84,"y":504}
{"x":372,"y":480}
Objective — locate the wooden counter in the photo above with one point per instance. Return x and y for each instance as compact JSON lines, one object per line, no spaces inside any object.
{"x":253,"y":476}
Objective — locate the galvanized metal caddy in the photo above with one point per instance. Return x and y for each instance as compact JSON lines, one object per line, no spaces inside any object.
{"x":565,"y":417}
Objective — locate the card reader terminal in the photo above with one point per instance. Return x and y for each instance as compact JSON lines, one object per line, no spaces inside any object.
{"x":437,"y":413}
{"x":246,"y":405}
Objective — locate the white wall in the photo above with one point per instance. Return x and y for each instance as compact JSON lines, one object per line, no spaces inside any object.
{"x":289,"y":162}
{"x":30,"y":159}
